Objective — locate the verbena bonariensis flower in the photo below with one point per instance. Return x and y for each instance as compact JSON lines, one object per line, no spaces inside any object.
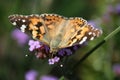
{"x":34,"y":45}
{"x":53,"y":60}
{"x":47,"y":77}
{"x":43,"y":51}
{"x":31,"y":75}
{"x":19,"y":36}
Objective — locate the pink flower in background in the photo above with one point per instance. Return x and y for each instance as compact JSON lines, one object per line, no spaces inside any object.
{"x":31,"y":75}
{"x":19,"y":36}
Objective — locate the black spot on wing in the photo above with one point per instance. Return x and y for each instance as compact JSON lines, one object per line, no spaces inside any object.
{"x":39,"y":24}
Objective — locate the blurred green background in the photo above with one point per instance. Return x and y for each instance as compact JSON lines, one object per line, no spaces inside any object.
{"x":16,"y":59}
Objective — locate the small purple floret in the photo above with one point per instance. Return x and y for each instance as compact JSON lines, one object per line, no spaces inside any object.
{"x":65,"y":51}
{"x":48,"y":78}
{"x":53,"y":60}
{"x":34,"y":45}
{"x":20,"y":37}
{"x":31,"y":75}
{"x":68,"y":51}
{"x":56,"y":59}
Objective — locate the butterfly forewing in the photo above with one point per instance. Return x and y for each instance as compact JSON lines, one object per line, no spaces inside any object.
{"x":32,"y":24}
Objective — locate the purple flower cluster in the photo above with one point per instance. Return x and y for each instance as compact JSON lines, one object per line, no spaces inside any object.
{"x":110,"y":11}
{"x":19,"y":36}
{"x":113,"y":9}
{"x":68,"y":51}
{"x":31,"y":75}
{"x":43,"y":51}
{"x":63,"y":52}
{"x":48,"y":78}
{"x":53,"y":60}
{"x":34,"y":45}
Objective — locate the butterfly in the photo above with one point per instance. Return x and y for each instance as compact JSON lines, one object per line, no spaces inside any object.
{"x":56,"y":31}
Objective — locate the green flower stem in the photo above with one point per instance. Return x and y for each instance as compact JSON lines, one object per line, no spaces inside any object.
{"x":97,"y":46}
{"x":112,"y":34}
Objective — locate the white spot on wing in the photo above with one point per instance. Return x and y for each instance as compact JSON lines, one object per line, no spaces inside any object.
{"x":23,"y":20}
{"x":23,"y":28}
{"x":14,"y":23}
{"x":26,"y":16}
{"x":91,"y":38}
{"x":83,"y":40}
{"x":90,"y":33}
{"x":51,"y":15}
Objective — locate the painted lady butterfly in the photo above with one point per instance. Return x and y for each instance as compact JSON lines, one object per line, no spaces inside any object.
{"x":56,"y":31}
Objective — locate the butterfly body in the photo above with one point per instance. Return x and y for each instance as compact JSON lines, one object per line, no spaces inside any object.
{"x":56,"y":31}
